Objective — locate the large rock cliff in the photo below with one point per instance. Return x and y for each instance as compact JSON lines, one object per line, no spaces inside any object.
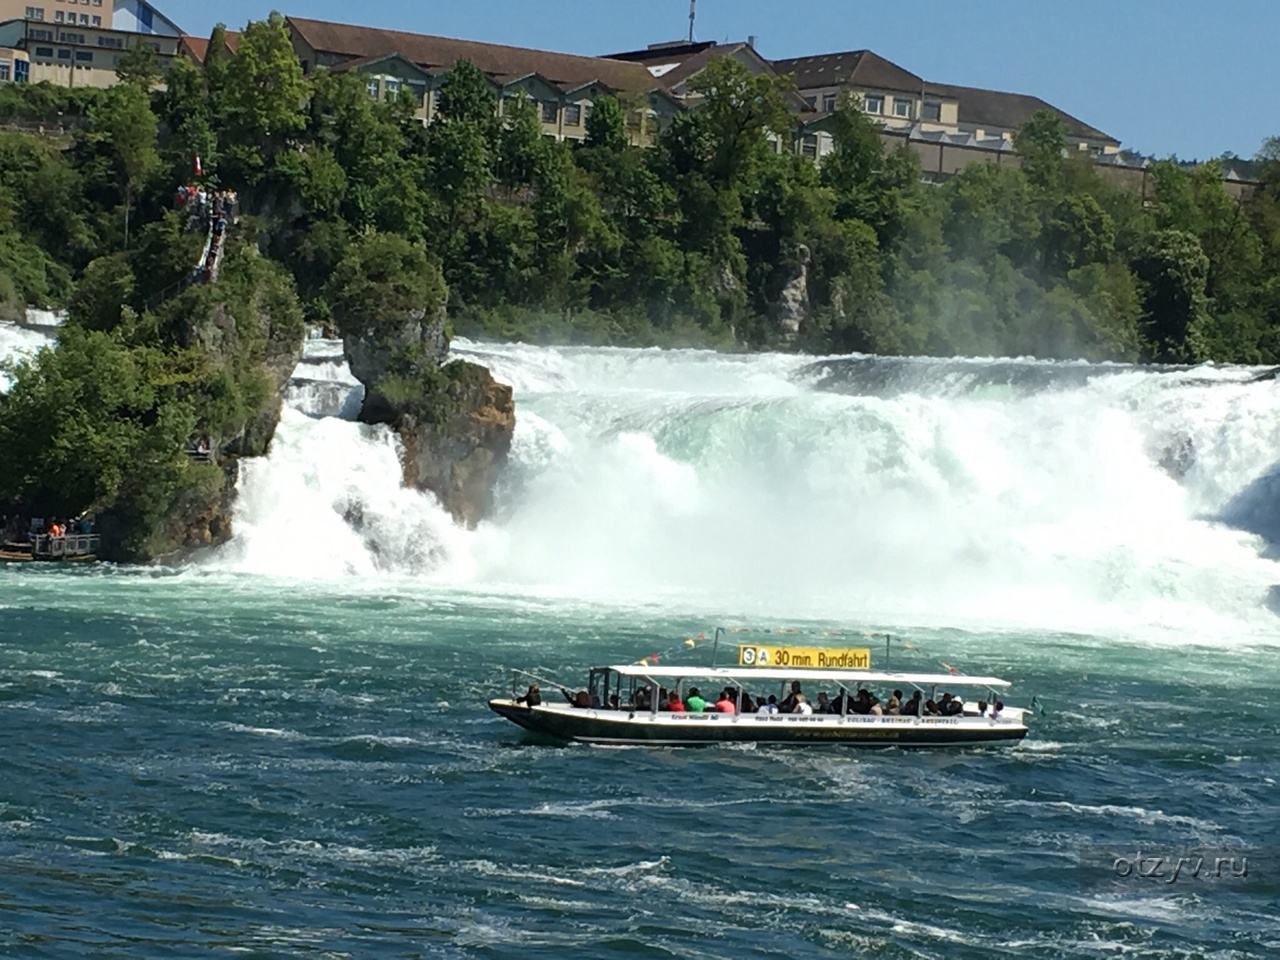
{"x":455,"y":421}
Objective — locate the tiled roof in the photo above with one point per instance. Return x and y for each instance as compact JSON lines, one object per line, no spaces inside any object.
{"x":566,"y":71}
{"x":199,"y":46}
{"x":861,"y":67}
{"x":994,"y":108}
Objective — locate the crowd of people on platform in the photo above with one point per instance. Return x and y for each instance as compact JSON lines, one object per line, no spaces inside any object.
{"x":208,"y":211}
{"x":20,"y":531}
{"x":732,"y":700}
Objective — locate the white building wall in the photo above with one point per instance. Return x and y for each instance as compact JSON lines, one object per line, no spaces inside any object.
{"x":138,"y":16}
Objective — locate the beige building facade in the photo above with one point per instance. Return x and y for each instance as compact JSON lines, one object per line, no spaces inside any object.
{"x":78,"y":43}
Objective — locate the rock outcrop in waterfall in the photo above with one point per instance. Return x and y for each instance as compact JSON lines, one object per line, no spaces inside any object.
{"x":455,"y":421}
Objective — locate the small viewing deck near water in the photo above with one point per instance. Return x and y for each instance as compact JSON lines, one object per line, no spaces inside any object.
{"x":74,"y":547}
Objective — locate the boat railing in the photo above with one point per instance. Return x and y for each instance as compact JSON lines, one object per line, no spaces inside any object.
{"x":72,"y":545}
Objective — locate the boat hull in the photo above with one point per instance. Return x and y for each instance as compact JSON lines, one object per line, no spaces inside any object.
{"x":702,"y":729}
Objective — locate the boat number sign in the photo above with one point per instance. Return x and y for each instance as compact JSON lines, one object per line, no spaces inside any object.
{"x":818,"y":658}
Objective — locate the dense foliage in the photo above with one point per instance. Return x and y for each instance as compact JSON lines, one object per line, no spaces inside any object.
{"x":359,"y":212}
{"x":689,"y":241}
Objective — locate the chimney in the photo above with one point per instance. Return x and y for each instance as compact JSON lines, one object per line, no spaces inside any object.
{"x":751,"y":41}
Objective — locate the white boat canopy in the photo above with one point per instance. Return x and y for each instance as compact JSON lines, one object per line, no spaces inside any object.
{"x":748,"y":674}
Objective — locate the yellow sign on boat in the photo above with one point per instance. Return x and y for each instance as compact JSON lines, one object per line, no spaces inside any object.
{"x":814,"y":658}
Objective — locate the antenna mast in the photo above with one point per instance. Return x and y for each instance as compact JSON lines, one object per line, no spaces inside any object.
{"x":693,"y":14}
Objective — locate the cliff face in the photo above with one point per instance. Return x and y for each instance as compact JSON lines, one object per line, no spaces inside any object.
{"x":458,"y":457}
{"x":454,"y":420}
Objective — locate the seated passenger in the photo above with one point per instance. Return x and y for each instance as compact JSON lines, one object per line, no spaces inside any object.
{"x":996,"y":709}
{"x":748,"y":705}
{"x":912,"y":707}
{"x":823,"y":705}
{"x":694,"y":702}
{"x":982,"y":708}
{"x":895,"y":704}
{"x":930,"y":709}
{"x":802,"y":705}
{"x":788,"y":705}
{"x":861,"y":703}
{"x":725,"y":704}
{"x":768,"y":707}
{"x":532,"y":697}
{"x":876,"y":710}
{"x":673,"y":703}
{"x":613,"y":702}
{"x":582,"y":700}
{"x":950,"y":706}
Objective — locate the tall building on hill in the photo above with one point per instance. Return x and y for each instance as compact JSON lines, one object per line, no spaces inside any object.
{"x":78,"y":43}
{"x":563,"y":86}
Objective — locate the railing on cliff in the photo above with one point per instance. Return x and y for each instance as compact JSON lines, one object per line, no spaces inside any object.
{"x":71,"y":546}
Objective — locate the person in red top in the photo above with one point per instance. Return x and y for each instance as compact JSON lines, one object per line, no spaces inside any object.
{"x":674,"y":704}
{"x":725,"y":704}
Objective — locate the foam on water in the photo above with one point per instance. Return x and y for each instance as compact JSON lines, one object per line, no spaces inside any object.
{"x":733,"y":482}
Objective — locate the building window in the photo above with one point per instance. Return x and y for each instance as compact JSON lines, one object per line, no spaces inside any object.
{"x":40,"y":34}
{"x":573,"y":115}
{"x":71,"y":38}
{"x":829,"y":102}
{"x":901,"y":108}
{"x":932,"y":111}
{"x":35,"y":13}
{"x":873,"y":103}
{"x":811,"y":102}
{"x":64,"y":54}
{"x":84,"y":19}
{"x":809,"y":147}
{"x":550,"y":111}
{"x":391,"y":87}
{"x":115,"y":42}
{"x":21,"y":71}
{"x":374,"y":88}
{"x":84,"y":56}
{"x":4,"y":70}
{"x":97,"y":21}
{"x":57,"y":16}
{"x":44,"y":52}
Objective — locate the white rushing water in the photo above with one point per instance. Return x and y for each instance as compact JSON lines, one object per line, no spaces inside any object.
{"x":733,"y":484}
{"x":16,"y":344}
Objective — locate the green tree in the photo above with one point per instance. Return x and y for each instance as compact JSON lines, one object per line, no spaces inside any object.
{"x":1042,"y":142}
{"x":1173,"y":270}
{"x":467,"y":96}
{"x":139,"y":66}
{"x":121,"y":120}
{"x":607,"y":124}
{"x":262,"y":95}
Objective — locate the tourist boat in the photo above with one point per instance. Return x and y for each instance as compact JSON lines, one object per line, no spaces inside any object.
{"x":640,"y":684}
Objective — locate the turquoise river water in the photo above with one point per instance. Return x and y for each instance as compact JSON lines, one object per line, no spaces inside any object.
{"x":283,"y":748}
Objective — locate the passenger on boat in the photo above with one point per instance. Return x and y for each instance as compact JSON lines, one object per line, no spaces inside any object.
{"x":766,"y":708}
{"x":930,"y":709}
{"x":824,"y":703}
{"x":912,"y":707}
{"x":996,"y":708}
{"x":674,"y":703}
{"x":982,"y":708}
{"x":725,"y":704}
{"x":748,"y":705}
{"x":950,"y":706}
{"x":642,"y":699}
{"x":581,"y":699}
{"x":694,"y":702}
{"x":895,"y":704}
{"x":802,"y":705}
{"x":532,"y":697}
{"x":788,"y":705}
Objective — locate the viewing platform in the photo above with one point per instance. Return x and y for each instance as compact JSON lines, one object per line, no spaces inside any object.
{"x":76,"y":547}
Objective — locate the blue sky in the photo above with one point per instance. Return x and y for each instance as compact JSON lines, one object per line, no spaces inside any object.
{"x":1195,"y":78}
